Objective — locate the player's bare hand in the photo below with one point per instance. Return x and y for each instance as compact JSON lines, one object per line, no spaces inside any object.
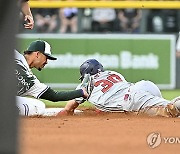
{"x":65,"y":113}
{"x":29,"y":22}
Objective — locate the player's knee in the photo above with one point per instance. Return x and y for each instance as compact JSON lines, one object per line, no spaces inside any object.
{"x":39,"y":107}
{"x":30,"y":106}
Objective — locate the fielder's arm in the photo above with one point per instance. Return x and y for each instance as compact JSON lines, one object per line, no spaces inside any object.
{"x":55,"y":96}
{"x":28,"y":18}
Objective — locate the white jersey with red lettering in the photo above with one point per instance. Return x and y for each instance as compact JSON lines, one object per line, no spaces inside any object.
{"x":111,"y":92}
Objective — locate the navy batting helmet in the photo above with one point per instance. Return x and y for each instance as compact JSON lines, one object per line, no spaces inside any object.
{"x":90,"y":66}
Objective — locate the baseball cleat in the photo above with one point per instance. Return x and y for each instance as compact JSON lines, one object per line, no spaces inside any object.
{"x":174,"y":107}
{"x":176,"y":102}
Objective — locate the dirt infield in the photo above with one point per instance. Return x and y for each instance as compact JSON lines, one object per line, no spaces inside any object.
{"x":100,"y":134}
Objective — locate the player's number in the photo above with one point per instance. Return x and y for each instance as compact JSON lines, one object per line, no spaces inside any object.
{"x":108,"y":82}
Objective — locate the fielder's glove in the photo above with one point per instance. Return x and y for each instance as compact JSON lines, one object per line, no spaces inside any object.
{"x":87,"y":83}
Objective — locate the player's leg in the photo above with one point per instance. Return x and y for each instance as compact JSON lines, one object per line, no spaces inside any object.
{"x":172,"y":109}
{"x":146,"y":103}
{"x":30,"y":106}
{"x":143,"y":102}
{"x":148,"y":86}
{"x":167,"y":111}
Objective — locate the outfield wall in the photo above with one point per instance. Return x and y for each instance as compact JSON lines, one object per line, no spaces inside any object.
{"x":137,"y":57}
{"x":141,"y":4}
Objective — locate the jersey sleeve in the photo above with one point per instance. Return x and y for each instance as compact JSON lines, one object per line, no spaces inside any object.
{"x":53,"y":95}
{"x":37,"y":89}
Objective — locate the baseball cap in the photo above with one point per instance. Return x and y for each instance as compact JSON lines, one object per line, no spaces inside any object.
{"x":43,"y":47}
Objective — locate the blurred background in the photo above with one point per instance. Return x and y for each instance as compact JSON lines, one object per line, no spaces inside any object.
{"x":136,"y":38}
{"x":90,"y":20}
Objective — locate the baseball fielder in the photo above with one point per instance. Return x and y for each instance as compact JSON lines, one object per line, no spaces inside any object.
{"x":28,"y":85}
{"x":110,"y":92}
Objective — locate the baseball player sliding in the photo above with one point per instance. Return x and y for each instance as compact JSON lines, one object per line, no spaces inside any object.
{"x":36,"y":56}
{"x":110,"y":92}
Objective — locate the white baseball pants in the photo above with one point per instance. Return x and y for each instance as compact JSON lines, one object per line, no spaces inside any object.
{"x":30,"y":106}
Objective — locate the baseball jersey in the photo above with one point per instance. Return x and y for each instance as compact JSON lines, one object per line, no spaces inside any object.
{"x":111,"y":92}
{"x":106,"y":87}
{"x":27,"y":82}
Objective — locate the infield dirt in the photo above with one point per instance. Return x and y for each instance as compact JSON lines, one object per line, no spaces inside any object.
{"x":97,"y":134}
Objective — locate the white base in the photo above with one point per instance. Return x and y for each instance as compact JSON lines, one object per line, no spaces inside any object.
{"x":55,"y":111}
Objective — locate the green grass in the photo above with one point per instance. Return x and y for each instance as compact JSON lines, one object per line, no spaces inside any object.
{"x":167,"y":94}
{"x":170,"y":94}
